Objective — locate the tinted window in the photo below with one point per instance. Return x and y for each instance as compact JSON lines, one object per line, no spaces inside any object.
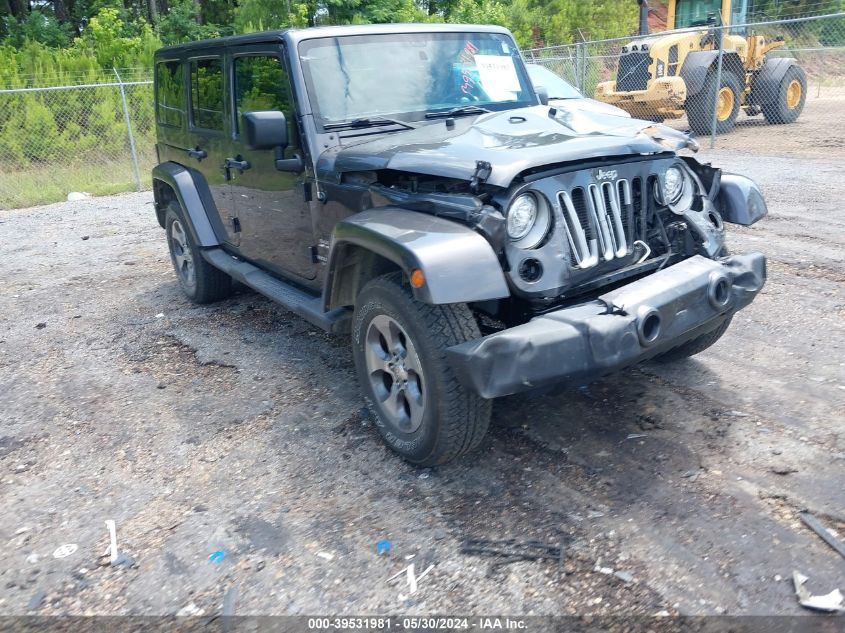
{"x":207,"y":94}
{"x":171,"y":93}
{"x":261,"y":83}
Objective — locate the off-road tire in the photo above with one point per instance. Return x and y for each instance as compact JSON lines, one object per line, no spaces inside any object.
{"x":454,"y":420}
{"x":207,"y":283}
{"x":778,"y":112}
{"x":700,"y":105}
{"x":696,"y":345}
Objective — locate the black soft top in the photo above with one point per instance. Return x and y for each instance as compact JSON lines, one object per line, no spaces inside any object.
{"x":294,"y":36}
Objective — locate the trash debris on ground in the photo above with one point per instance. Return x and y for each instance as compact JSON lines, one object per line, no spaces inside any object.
{"x":383,"y":547}
{"x":829,"y":603}
{"x":411,"y":578}
{"x":63,"y":551}
{"x":111,"y":552}
{"x":508,"y":551}
{"x":635,"y":436}
{"x":624,"y":576}
{"x":40,"y":326}
{"x":189,"y":610}
{"x":76,"y":196}
{"x":229,"y":601}
{"x":36,"y":600}
{"x":217,"y":557}
{"x":816,"y":526}
{"x":325,"y":555}
{"x":783,"y":469}
{"x":123,"y":561}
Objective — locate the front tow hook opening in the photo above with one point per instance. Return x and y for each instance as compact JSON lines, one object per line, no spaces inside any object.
{"x":719,"y":291}
{"x":648,"y":326}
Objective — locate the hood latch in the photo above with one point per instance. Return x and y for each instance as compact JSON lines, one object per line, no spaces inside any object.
{"x":482,"y":172}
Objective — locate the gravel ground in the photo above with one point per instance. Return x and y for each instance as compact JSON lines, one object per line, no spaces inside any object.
{"x":238,"y":428}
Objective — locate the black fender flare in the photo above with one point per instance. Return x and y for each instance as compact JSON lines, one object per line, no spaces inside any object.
{"x":458,"y":264}
{"x":698,"y":65}
{"x":768,"y":78}
{"x":194,"y":198}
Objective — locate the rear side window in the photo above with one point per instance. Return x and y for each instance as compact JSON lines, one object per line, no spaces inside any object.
{"x":261,"y":83}
{"x":171,"y":94}
{"x":207,"y":94}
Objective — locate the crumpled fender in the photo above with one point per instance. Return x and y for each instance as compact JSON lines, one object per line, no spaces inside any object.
{"x":458,"y":264}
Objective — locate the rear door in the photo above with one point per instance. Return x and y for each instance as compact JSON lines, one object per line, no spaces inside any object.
{"x":209,"y":134}
{"x":274,"y":214}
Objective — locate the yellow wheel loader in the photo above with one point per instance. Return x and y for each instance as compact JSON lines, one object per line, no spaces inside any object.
{"x":665,"y":76}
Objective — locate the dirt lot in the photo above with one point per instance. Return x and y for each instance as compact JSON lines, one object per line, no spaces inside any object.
{"x":238,"y":428}
{"x":816,"y":134}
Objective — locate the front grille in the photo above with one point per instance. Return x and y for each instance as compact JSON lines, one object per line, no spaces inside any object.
{"x":601,"y":220}
{"x":633,"y":72}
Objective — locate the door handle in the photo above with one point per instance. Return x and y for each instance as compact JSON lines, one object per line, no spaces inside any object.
{"x":197,"y":153}
{"x":235,"y":163}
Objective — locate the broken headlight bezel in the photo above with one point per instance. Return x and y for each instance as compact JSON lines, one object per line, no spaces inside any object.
{"x":680,"y":201}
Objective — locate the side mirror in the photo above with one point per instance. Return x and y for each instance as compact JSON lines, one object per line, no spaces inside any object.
{"x":542,"y":94}
{"x":265,"y":129}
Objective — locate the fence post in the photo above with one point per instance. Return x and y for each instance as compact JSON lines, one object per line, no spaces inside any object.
{"x":581,"y":52}
{"x":135,"y":168}
{"x":720,"y":36}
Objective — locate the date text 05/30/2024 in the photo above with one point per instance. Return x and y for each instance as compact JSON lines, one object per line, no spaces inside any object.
{"x":416,"y":623}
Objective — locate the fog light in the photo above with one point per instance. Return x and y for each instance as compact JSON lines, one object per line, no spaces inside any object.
{"x":530,"y":270}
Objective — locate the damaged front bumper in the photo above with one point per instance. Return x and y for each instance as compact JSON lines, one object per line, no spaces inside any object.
{"x":621,"y":328}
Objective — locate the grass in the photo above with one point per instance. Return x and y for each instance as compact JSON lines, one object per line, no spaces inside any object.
{"x":43,"y":184}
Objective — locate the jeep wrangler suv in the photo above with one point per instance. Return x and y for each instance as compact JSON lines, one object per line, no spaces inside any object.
{"x":407,"y":185}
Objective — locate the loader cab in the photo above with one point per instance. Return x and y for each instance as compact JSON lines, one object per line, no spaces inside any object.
{"x":684,"y":14}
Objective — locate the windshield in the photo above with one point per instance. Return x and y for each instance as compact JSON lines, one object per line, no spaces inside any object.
{"x":554,"y":85}
{"x":695,"y":12}
{"x":405,"y":75}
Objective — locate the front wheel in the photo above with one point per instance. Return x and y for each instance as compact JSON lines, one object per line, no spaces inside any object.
{"x":696,"y":345}
{"x":399,"y":348}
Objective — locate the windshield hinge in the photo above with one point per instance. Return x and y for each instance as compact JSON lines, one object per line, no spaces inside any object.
{"x":481,"y":174}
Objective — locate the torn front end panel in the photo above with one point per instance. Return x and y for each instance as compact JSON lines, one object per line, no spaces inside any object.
{"x":635,"y":322}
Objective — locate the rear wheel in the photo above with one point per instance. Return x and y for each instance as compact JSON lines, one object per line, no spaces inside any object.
{"x":790,"y":98}
{"x":200,"y":281}
{"x":399,"y":347}
{"x":700,"y":106}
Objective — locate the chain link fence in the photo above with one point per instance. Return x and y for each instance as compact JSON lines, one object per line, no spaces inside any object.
{"x":797,"y":111}
{"x":96,"y":138}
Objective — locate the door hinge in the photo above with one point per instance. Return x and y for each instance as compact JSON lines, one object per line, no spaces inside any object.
{"x":236,"y":225}
{"x":306,"y":191}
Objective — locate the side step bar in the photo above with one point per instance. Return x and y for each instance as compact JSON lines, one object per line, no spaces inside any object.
{"x":297,"y":301}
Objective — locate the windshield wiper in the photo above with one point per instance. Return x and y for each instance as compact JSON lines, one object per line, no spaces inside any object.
{"x":467,"y":109}
{"x":367,"y":122}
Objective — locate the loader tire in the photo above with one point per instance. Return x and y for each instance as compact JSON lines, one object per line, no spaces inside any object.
{"x":700,"y":105}
{"x":790,"y":98}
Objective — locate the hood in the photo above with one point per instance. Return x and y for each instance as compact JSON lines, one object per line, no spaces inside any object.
{"x":512,"y":141}
{"x":586,"y":104}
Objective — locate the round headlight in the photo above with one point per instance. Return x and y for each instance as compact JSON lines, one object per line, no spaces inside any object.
{"x":522,"y":215}
{"x":673,"y":185}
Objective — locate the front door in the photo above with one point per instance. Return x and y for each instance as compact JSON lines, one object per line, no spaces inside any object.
{"x":274,"y":214}
{"x":210,"y":136}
